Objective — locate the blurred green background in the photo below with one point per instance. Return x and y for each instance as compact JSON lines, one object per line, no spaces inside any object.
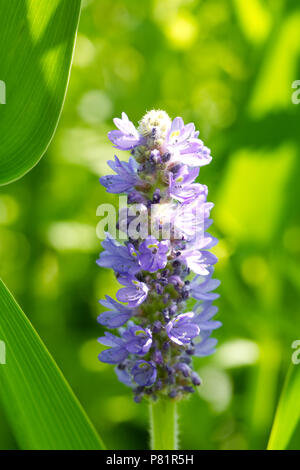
{"x":227,"y":65}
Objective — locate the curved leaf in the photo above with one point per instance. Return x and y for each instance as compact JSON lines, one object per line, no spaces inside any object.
{"x":37,"y":41}
{"x":40,"y":406}
{"x":288,"y":411}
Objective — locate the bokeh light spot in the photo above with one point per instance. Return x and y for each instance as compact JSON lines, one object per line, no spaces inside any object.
{"x":273,"y":87}
{"x":182,"y":30}
{"x":120,"y":408}
{"x":237,"y":353}
{"x":216,"y":388}
{"x":85,"y":52}
{"x":254,"y":270}
{"x":88,"y":356}
{"x":254,"y":18}
{"x":9,"y":209}
{"x":251,"y":196}
{"x":72,"y":236}
{"x":94,"y":107}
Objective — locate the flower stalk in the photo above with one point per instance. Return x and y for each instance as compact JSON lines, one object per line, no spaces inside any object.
{"x":163,"y":425}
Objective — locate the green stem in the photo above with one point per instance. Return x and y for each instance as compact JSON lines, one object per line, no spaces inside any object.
{"x":163,"y":420}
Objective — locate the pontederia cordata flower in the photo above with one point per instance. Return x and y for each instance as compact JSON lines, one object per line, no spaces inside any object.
{"x":155,"y":334}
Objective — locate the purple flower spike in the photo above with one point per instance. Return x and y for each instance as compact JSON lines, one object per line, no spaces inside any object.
{"x":144,"y":373}
{"x":181,"y":329}
{"x":153,"y":254}
{"x":138,"y":340}
{"x":134,"y":294}
{"x":127,"y":137}
{"x":161,"y":270}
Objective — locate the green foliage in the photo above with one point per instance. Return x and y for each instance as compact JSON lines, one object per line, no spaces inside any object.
{"x":41,"y":408}
{"x":288,"y":411}
{"x":37,"y":41}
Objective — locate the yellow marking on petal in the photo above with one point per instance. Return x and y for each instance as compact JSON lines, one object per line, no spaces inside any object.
{"x":175,"y":134}
{"x":139,"y":332}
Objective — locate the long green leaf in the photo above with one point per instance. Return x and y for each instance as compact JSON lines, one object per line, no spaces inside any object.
{"x":36,"y":46}
{"x":288,"y":411}
{"x":42,"y":409}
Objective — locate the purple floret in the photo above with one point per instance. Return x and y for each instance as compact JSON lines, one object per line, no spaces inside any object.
{"x":127,"y":137}
{"x":144,"y":373}
{"x":182,"y":186}
{"x":135,"y":292}
{"x":118,"y":257}
{"x":116,"y":316}
{"x":204,"y":313}
{"x":202,"y":287}
{"x":181,"y":329}
{"x":125,"y":179}
{"x":153,"y":254}
{"x":184,"y":146}
{"x":206,"y":347}
{"x":199,"y":261}
{"x":138,"y":340}
{"x":117,"y":352}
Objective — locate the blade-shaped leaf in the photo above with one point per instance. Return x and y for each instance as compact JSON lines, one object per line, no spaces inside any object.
{"x":288,"y":411}
{"x":36,"y":45}
{"x":40,"y":406}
